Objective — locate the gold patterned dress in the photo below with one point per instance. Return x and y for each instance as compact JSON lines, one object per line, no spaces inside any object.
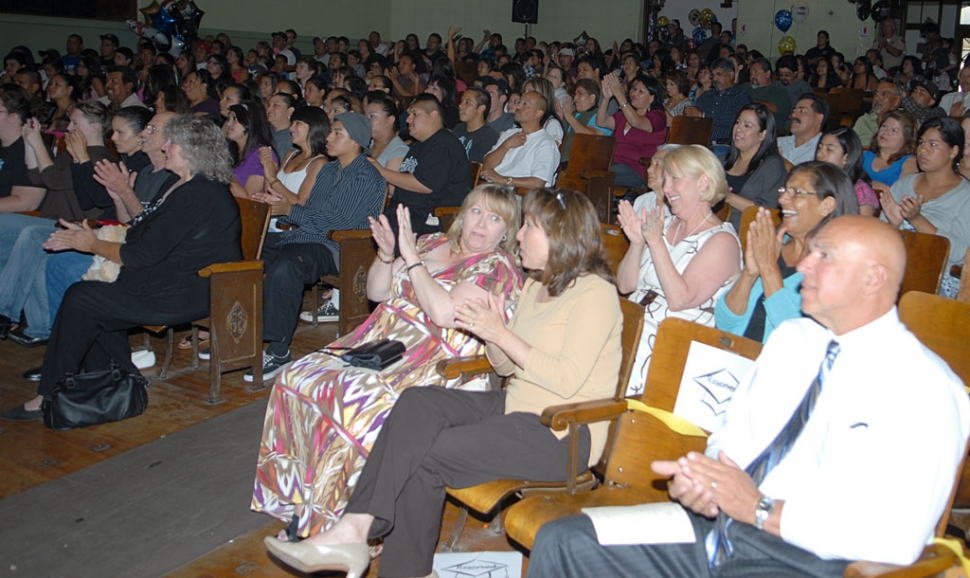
{"x":324,"y":416}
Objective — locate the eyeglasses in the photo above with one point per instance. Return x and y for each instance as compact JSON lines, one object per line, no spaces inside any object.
{"x":793,"y":192}
{"x":151,"y":129}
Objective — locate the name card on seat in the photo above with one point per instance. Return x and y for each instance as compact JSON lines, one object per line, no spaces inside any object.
{"x":711,"y":376}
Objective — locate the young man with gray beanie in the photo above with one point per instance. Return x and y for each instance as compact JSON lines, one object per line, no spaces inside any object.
{"x":347,"y":191}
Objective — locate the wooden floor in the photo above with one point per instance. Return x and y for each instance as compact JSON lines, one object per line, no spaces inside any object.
{"x":31,"y":455}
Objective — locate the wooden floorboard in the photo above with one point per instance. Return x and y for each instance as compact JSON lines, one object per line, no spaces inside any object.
{"x":247,"y":556}
{"x":31,"y":455}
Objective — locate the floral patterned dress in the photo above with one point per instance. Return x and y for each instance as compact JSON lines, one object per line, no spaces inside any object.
{"x":323,"y":415}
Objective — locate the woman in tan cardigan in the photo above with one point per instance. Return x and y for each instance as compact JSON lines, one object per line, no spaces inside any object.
{"x":562,"y":345}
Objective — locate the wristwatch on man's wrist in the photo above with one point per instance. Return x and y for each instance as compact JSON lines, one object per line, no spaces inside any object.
{"x":762,"y":511}
{"x":508,"y":181}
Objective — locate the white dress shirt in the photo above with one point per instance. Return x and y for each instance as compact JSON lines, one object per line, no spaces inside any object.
{"x":538,"y":157}
{"x":871,"y":473}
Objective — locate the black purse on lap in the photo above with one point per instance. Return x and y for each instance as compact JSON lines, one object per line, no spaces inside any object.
{"x":97,"y":397}
{"x":375,"y":355}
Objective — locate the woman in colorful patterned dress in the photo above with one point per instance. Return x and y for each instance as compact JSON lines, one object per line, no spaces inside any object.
{"x":324,"y":415}
{"x":678,"y":266}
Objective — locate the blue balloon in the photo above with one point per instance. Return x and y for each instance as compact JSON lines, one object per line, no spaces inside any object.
{"x":783,"y":20}
{"x":700,"y":35}
{"x":164,"y":21}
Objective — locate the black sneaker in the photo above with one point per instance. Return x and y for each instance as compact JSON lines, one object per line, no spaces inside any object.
{"x":272,"y":365}
{"x":326,"y":313}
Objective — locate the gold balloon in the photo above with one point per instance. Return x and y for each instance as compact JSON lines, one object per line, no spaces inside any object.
{"x":663,"y":21}
{"x":786,"y":44}
{"x":152,"y":8}
{"x":708,"y":17}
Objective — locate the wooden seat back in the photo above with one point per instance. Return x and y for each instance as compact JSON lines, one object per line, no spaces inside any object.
{"x":688,"y":130}
{"x":723,"y":211}
{"x":926,"y":257}
{"x":747,"y":217}
{"x":640,"y":438}
{"x":590,"y":153}
{"x":615,"y":243}
{"x":467,"y":70}
{"x":255,"y":218}
{"x":476,"y":172}
{"x":943,"y":326}
{"x":446,"y":216}
{"x":588,"y":171}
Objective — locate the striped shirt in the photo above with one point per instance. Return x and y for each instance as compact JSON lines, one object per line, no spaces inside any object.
{"x":342,"y":198}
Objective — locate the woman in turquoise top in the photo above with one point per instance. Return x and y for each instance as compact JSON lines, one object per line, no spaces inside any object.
{"x":766,"y":293}
{"x":579,"y":113}
{"x":890,"y":153}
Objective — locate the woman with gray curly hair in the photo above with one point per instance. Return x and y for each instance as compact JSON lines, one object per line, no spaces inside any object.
{"x":188,"y":227}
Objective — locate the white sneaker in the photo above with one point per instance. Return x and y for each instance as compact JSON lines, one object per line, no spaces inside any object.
{"x":326,"y":312}
{"x":143,"y":358}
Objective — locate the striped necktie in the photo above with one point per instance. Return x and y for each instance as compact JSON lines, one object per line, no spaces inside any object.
{"x":720,"y":547}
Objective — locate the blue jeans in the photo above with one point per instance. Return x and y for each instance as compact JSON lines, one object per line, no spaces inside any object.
{"x":626,"y":176}
{"x":10,"y":226}
{"x":23,"y":273}
{"x":63,"y":270}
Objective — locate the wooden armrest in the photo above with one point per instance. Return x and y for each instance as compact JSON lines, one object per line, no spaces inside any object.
{"x":956,"y":271}
{"x":558,"y":417}
{"x":30,"y":213}
{"x":339,"y":236}
{"x":932,"y":561}
{"x":232,"y":267}
{"x":455,"y":368}
{"x":595,"y":174}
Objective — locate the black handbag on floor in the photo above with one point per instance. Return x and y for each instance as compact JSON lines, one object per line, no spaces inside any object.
{"x":97,"y":397}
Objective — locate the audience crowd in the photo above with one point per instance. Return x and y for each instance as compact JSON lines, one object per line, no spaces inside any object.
{"x":379,"y":134}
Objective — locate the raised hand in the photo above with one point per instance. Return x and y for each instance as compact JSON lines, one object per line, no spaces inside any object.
{"x":383,"y":235}
{"x":113,"y":177}
{"x":516,"y":140}
{"x":266,"y":159}
{"x":406,"y":239}
{"x":279,"y":204}
{"x":890,"y":208}
{"x":77,"y":146}
{"x":910,"y":206}
{"x":652,"y":228}
{"x":764,"y":243}
{"x":631,"y":223}
{"x":485,"y":319}
{"x":31,"y":132}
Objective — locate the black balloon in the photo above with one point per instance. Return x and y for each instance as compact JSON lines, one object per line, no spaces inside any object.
{"x":880,"y":11}
{"x":862,"y":8}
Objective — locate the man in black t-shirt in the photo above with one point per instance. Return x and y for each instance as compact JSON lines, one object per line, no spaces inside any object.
{"x":477,"y":137}
{"x":17,"y":193}
{"x":435,"y":171}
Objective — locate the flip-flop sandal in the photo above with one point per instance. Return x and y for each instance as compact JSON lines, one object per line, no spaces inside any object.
{"x":186,"y":343}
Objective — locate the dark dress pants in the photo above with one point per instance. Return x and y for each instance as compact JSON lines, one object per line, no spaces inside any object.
{"x":289,"y":268}
{"x":437,"y":438}
{"x":568,"y":548}
{"x":91,"y":329}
